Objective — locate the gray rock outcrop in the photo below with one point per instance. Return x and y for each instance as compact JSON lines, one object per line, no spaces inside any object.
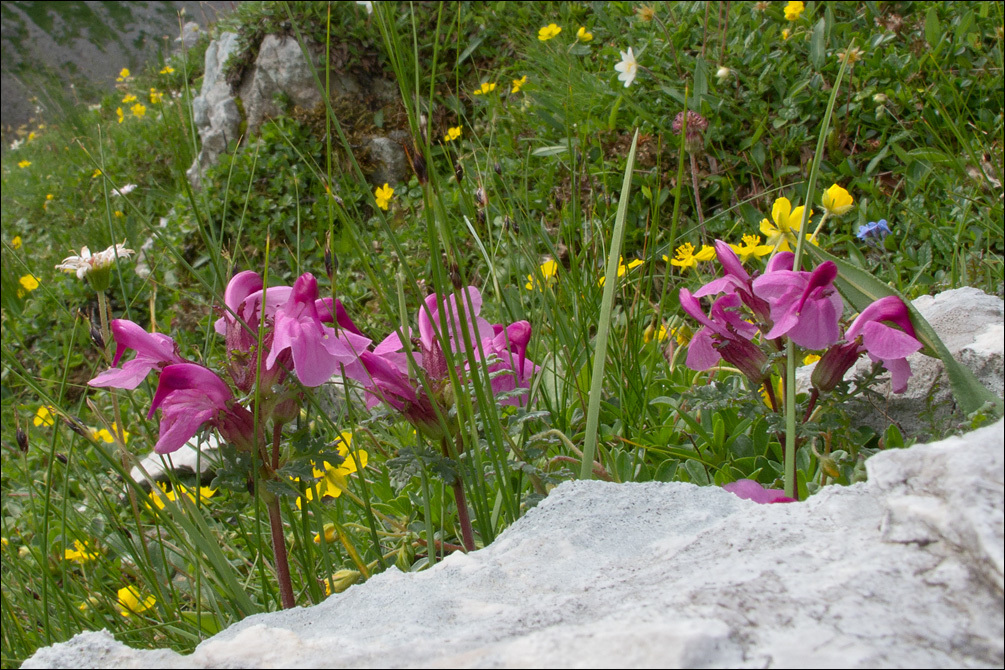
{"x":280,"y":77}
{"x":905,"y":570}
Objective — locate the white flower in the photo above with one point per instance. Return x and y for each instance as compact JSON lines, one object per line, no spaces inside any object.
{"x":367,"y":4}
{"x":722,"y":74}
{"x":628,"y":67}
{"x":87,"y":263}
{"x":125,"y":190}
{"x":16,"y":144}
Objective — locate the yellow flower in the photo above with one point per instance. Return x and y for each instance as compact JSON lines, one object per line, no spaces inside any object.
{"x":549,"y":269}
{"x":852,"y":55}
{"x":155,"y":96}
{"x":97,"y":171}
{"x":81,"y":553}
{"x":167,"y":69}
{"x":106,"y":436}
{"x":582,"y":35}
{"x":383,"y":195}
{"x":123,"y":74}
{"x":332,"y":479}
{"x":486,"y":87}
{"x":28,"y":282}
{"x":118,"y":113}
{"x":779,"y":393}
{"x":786,"y":222}
{"x":159,"y":495}
{"x":549,"y":31}
{"x":129,"y":98}
{"x":751,"y":246}
{"x":32,"y":136}
{"x":342,"y":579}
{"x":43,"y":417}
{"x":329,"y":530}
{"x":809,"y":359}
{"x":4,"y":542}
{"x":685,"y":257}
{"x":23,"y":164}
{"x":119,"y":214}
{"x":16,"y":242}
{"x":836,"y":200}
{"x":622,"y":269}
{"x":452,"y":134}
{"x":139,"y":109}
{"x":785,"y":34}
{"x":518,"y":84}
{"x":794,"y":9}
{"x":650,"y":334}
{"x":130,"y":603}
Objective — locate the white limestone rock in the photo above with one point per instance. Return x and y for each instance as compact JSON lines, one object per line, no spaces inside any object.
{"x":905,"y":570}
{"x":215,"y":110}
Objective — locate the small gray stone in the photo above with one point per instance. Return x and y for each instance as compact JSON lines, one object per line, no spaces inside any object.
{"x":390,"y":165}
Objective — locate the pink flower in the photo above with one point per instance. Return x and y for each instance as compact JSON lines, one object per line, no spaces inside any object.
{"x":735,"y":280}
{"x":153,"y":350}
{"x":804,"y":305}
{"x":885,"y":343}
{"x":748,"y":489}
{"x":190,"y":396}
{"x":724,"y":336}
{"x":511,"y":370}
{"x":319,"y":351}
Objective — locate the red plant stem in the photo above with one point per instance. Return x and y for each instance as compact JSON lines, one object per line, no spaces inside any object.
{"x":463,"y":518}
{"x":814,"y":394}
{"x":279,"y":550}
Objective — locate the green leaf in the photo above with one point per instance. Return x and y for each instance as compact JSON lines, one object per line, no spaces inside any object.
{"x":471,"y":48}
{"x":861,"y":289}
{"x":933,"y":29}
{"x":700,"y":82}
{"x":818,"y":45}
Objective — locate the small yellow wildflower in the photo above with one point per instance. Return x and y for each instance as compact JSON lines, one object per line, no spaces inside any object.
{"x":452,"y":134}
{"x":28,"y":283}
{"x":751,"y":246}
{"x":106,"y":436}
{"x":329,"y":532}
{"x":486,"y":87}
{"x":118,"y":113}
{"x":341,"y":580}
{"x":332,"y":479}
{"x":684,"y":256}
{"x":97,"y":173}
{"x":622,"y":269}
{"x":549,"y":31}
{"x":518,"y":84}
{"x":794,"y":10}
{"x":130,"y":603}
{"x":837,"y":200}
{"x":785,"y":34}
{"x":809,"y":359}
{"x":119,"y":214}
{"x":81,"y":553}
{"x":548,"y":269}
{"x":23,"y":164}
{"x":786,"y":222}
{"x":16,"y":242}
{"x":123,"y":74}
{"x":167,"y":69}
{"x":160,"y":494}
{"x":384,"y":194}
{"x":129,"y":98}
{"x":650,"y":334}
{"x":43,"y":417}
{"x":582,"y":35}
{"x":4,"y":542}
{"x":138,"y":110}
{"x":155,"y":96}
{"x":32,"y":136}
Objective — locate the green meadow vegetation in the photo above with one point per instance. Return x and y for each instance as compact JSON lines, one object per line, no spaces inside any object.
{"x":547,"y":174}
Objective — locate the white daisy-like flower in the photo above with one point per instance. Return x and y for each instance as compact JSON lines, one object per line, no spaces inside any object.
{"x":125,"y":190}
{"x":628,"y":67}
{"x":95,"y":267}
{"x":16,"y":144}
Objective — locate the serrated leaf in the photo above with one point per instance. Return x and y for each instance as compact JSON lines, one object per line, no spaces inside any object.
{"x":861,"y":289}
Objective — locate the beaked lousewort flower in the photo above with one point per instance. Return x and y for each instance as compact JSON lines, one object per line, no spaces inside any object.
{"x":805,"y":306}
{"x":748,"y":489}
{"x":735,"y":280}
{"x":191,"y":396}
{"x":884,"y":343}
{"x":502,"y":349}
{"x":153,"y":351}
{"x":726,"y":335}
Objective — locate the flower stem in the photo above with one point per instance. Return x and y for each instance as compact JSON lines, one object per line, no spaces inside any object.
{"x":697,"y":198}
{"x":279,"y":550}
{"x":463,"y":518}
{"x":790,"y":420}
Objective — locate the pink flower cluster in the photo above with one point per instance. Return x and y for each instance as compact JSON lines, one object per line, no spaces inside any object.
{"x":271,"y":332}
{"x":802,"y":306}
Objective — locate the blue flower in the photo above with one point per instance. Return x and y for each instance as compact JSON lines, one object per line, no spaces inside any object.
{"x":874,"y":231}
